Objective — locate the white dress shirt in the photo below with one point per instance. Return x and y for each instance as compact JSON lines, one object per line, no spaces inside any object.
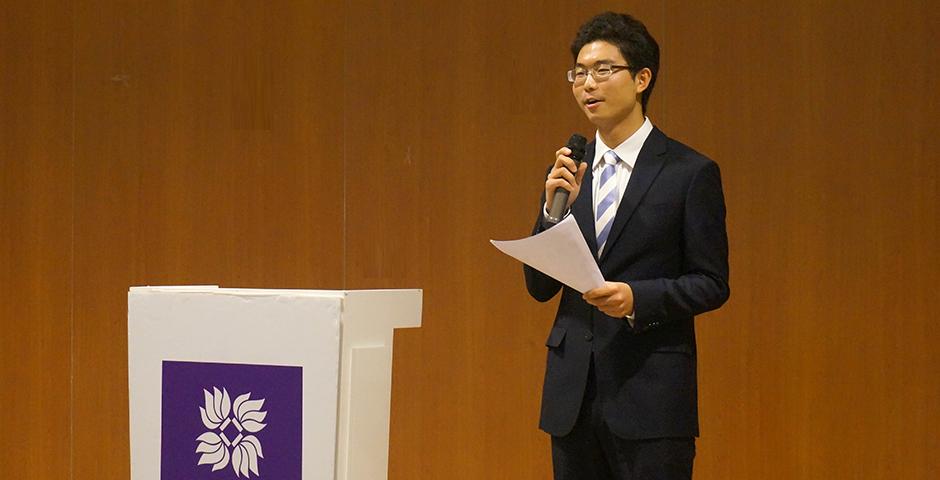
{"x":628,"y":151}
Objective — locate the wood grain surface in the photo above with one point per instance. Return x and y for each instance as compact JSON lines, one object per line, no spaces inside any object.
{"x":36,"y":183}
{"x":366,"y":144}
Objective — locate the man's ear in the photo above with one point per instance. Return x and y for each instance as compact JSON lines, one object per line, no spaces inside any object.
{"x":642,"y":79}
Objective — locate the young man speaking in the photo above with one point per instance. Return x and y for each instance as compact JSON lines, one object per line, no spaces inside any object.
{"x":619,"y":397}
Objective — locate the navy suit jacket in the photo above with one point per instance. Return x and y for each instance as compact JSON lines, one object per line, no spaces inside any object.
{"x":669,"y":243}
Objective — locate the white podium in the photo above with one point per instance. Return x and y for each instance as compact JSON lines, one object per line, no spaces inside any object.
{"x":250,"y":383}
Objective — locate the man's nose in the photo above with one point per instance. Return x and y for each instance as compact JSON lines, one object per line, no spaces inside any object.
{"x":589,"y":82}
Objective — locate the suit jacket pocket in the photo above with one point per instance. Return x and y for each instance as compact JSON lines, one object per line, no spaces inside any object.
{"x":555,"y":338}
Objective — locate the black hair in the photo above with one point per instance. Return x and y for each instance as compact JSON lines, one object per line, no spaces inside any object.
{"x":630,"y":36}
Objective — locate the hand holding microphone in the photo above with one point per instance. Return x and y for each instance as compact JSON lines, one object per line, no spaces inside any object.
{"x":564,"y":181}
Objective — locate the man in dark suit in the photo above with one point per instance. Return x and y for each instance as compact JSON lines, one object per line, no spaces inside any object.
{"x":619,"y":397}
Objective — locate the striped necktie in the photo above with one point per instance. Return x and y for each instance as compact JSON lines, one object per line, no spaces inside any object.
{"x":608,"y":196}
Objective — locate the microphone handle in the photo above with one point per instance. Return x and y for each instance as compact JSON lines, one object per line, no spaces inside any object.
{"x":559,"y":201}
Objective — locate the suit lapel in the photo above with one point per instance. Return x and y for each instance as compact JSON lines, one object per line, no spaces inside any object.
{"x":648,"y":165}
{"x":583,"y":206}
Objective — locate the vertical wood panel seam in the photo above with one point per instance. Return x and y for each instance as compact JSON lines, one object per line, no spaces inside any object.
{"x":71,"y":276}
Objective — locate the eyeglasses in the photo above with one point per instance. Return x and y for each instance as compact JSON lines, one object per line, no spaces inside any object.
{"x":601,"y":73}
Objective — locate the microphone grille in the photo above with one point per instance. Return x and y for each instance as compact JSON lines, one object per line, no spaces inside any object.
{"x":576,"y":144}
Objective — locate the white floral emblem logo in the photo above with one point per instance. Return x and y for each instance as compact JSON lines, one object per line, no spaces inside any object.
{"x":216,"y":447}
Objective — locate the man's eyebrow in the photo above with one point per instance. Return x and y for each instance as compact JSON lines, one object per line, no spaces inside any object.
{"x":599,"y":62}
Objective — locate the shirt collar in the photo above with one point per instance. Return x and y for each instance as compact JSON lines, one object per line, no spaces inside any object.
{"x":628,"y":150}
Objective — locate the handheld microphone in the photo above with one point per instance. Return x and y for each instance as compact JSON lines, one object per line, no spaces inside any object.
{"x":560,"y":200}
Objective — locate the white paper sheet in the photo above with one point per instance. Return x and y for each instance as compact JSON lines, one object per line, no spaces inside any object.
{"x":559,"y":252}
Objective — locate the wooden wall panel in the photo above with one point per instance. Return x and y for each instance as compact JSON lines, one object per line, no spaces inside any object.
{"x":35,"y":240}
{"x":823,"y":117}
{"x":209,"y":151}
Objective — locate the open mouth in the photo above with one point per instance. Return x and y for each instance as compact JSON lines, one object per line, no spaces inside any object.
{"x":592,"y":101}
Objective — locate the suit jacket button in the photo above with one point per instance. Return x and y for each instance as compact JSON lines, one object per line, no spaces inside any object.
{"x":588,"y":336}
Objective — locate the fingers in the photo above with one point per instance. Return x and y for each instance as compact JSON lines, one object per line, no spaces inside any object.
{"x":562,"y":172}
{"x":553,"y":184}
{"x":604,"y":296}
{"x":599,"y":292}
{"x":581,"y":169}
{"x":563,"y":160}
{"x":612,"y":308}
{"x":605,"y":302}
{"x":565,"y":174}
{"x":610,"y":304}
{"x":613,"y":299}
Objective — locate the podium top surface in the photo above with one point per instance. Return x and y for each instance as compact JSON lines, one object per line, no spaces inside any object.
{"x":216,"y":290}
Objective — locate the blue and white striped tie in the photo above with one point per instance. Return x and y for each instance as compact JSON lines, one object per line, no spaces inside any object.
{"x":608,"y":195}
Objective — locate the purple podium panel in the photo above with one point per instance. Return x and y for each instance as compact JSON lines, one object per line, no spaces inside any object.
{"x":223,"y":421}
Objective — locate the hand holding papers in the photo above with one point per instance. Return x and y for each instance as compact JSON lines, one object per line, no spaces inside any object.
{"x":559,"y":252}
